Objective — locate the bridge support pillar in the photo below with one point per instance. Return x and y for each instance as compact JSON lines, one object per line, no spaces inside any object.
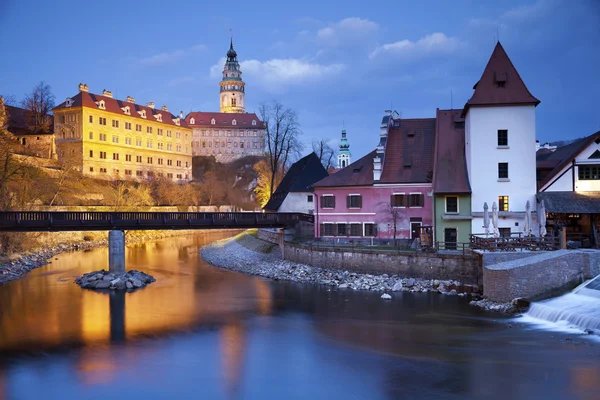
{"x":116,"y":252}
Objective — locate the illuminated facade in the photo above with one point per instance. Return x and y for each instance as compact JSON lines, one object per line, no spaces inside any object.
{"x":110,"y":139}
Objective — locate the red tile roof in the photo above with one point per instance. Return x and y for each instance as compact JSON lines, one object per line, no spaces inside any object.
{"x":500,"y":84}
{"x":450,"y":171}
{"x":86,"y":99}
{"x":359,"y":173}
{"x":243,"y":121}
{"x":409,"y":152}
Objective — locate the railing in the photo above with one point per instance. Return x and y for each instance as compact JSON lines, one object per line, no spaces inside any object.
{"x":80,"y":221}
{"x":513,"y":243}
{"x":384,"y":246}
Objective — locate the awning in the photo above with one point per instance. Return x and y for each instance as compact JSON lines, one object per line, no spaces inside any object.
{"x":571,"y":202}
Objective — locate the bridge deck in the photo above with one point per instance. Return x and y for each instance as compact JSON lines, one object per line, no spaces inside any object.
{"x":43,"y":221}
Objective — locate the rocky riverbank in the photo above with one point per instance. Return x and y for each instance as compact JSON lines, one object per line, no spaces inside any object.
{"x":18,"y":265}
{"x":102,"y":279}
{"x":250,"y":255}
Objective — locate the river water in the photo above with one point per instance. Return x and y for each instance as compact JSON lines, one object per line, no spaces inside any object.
{"x":204,"y":333}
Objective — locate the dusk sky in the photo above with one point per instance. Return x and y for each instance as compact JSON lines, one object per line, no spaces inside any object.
{"x":333,"y":62}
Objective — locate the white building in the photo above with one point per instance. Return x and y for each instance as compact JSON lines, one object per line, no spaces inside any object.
{"x":500,"y":144}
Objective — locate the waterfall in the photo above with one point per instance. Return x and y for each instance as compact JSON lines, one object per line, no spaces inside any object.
{"x":580,"y":308}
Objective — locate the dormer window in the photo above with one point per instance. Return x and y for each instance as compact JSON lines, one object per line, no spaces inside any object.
{"x":234,"y":122}
{"x":68,"y":102}
{"x":212,"y":121}
{"x":142,"y":113}
{"x":192,"y":121}
{"x":101,"y":105}
{"x":253,"y":122}
{"x":500,"y":79}
{"x":176,"y":120}
{"x":126,"y":110}
{"x":158,"y":117}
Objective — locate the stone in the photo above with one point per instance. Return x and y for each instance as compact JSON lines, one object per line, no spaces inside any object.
{"x":397,"y":286}
{"x":386,"y":296}
{"x":120,"y":285}
{"x":137,"y":283}
{"x":129,"y":285}
{"x":452,"y":292}
{"x":589,"y":332}
{"x":343,"y":286}
{"x":115,"y":281}
{"x":103,"y":284}
{"x":107,"y":278}
{"x":410,"y":282}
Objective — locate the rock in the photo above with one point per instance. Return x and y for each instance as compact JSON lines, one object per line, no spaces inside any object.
{"x":129,"y":285}
{"x":410,"y":282}
{"x":397,"y":286}
{"x":115,"y":281}
{"x":452,"y":292}
{"x":107,"y":278}
{"x":343,"y":286}
{"x":103,"y":284}
{"x":386,"y":296}
{"x":589,"y":332}
{"x":436,"y":283}
{"x":120,"y":285}
{"x":137,"y":283}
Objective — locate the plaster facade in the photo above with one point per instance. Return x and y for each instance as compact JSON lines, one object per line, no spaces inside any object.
{"x":460,"y":221}
{"x":568,"y":179}
{"x":302,"y":202}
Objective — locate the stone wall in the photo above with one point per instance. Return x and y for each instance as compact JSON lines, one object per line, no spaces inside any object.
{"x":539,"y":275}
{"x":269,"y":235}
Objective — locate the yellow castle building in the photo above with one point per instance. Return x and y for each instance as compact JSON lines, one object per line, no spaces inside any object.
{"x":111,"y":139}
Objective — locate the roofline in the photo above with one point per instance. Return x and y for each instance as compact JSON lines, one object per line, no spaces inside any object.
{"x":554,"y":171}
{"x":467,"y":105}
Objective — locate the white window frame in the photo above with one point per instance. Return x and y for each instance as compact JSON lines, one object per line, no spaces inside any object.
{"x":420,"y":193}
{"x":397,"y":193}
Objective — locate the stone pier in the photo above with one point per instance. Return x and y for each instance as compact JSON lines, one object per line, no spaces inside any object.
{"x":116,"y":252}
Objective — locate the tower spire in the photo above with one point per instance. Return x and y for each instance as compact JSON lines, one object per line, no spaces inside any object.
{"x":344,"y":150}
{"x":232,"y":86}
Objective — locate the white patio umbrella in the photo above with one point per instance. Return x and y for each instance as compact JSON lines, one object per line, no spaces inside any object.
{"x":495,"y":219}
{"x":486,"y":218}
{"x":527,"y":224}
{"x":542,"y":219}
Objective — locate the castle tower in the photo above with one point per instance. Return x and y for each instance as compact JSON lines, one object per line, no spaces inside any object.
{"x":232,"y":86}
{"x":344,"y":152}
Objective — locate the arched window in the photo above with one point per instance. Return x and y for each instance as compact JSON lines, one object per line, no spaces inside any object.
{"x":233,"y":102}
{"x":212,"y":121}
{"x":234,"y":122}
{"x":343,"y":163}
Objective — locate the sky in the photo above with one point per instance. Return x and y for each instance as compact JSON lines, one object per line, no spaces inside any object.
{"x":335,"y":63}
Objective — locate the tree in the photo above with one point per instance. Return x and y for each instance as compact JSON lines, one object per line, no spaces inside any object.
{"x":211,"y":189}
{"x":325,"y":152}
{"x":281,"y":140}
{"x":38,"y":104}
{"x":264,"y":181}
{"x":392,"y":215}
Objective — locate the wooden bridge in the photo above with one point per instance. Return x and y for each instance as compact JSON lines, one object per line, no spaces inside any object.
{"x":56,"y":221}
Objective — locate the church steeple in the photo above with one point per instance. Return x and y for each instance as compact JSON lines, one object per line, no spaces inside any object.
{"x":344,"y":151}
{"x":232,"y":86}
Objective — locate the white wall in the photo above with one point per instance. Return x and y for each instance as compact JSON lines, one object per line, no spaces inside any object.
{"x":297,"y":202}
{"x":483,"y":156}
{"x":565,"y":182}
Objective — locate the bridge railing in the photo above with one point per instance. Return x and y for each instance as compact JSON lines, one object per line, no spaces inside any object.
{"x":79,"y":220}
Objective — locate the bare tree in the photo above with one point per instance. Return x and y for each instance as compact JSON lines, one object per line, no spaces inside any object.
{"x":325,"y":152}
{"x":38,"y":104}
{"x":282,"y":138}
{"x":392,"y":215}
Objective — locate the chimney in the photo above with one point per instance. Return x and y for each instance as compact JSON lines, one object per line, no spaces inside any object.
{"x":83,"y":87}
{"x":150,"y":104}
{"x":181,"y":114}
{"x":107,"y":93}
{"x":388,"y":112}
{"x":130,"y":99}
{"x":164,"y":108}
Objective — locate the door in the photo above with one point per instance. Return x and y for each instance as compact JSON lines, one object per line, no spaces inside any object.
{"x":450,"y":236}
{"x":415,"y":230}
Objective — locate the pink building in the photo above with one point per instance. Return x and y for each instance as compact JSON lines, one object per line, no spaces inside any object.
{"x":391,"y":184}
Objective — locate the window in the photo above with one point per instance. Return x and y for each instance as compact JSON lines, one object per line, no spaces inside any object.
{"x":115,"y":156}
{"x":370,"y":229}
{"x":128,"y":158}
{"x":187,"y":164}
{"x":504,"y":232}
{"x":128,"y":172}
{"x":233,"y":103}
{"x":160,"y":161}
{"x":138,"y":158}
{"x":356,"y":229}
{"x":103,"y":137}
{"x":128,"y":125}
{"x":128,"y":141}
{"x":328,"y":201}
{"x":459,"y":124}
{"x":148,"y":129}
{"x":178,"y":163}
{"x":169,"y":162}
{"x":149,"y":160}
{"x":177,"y":135}
{"x":91,"y":135}
{"x":102,"y":170}
{"x":149,"y":144}
{"x":354,"y":201}
{"x":169,"y":134}
{"x":115,"y":123}
{"x":398,"y":200}
{"x":309,"y":198}
{"x":179,"y":176}
{"x":139,"y":173}
{"x":452,"y":204}
{"x":503,"y":170}
{"x":138,"y":142}
{"x":102,"y":121}
{"x":502,"y":137}
{"x":169,"y":175}
{"x":159,"y":131}
{"x":326,"y":229}
{"x":91,"y":169}
{"x":91,"y":119}
{"x":138,"y":127}
{"x":416,"y":200}
{"x":115,"y":139}
{"x":103,"y":154}
{"x":341,"y":230}
{"x":91,"y":153}
{"x":502,"y":203}
{"x":589,"y":172}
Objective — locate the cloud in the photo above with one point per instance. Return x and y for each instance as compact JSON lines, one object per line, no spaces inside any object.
{"x":435,"y":43}
{"x":277,"y":74}
{"x":528,"y":11}
{"x":170,"y":56}
{"x":347,"y":31}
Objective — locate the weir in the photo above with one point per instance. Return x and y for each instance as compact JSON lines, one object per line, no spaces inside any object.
{"x":580,"y":308}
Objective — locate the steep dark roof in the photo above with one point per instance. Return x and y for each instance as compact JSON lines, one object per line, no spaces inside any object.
{"x":571,"y":202}
{"x":359,"y":173}
{"x":558,"y":159}
{"x":409,"y":152}
{"x":300,"y":177}
{"x":86,"y":99}
{"x":450,"y":171}
{"x":500,"y":84}
{"x":243,"y":121}
{"x":17,"y":122}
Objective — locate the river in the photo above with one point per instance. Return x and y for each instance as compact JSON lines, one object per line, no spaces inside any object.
{"x":201,"y":332}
